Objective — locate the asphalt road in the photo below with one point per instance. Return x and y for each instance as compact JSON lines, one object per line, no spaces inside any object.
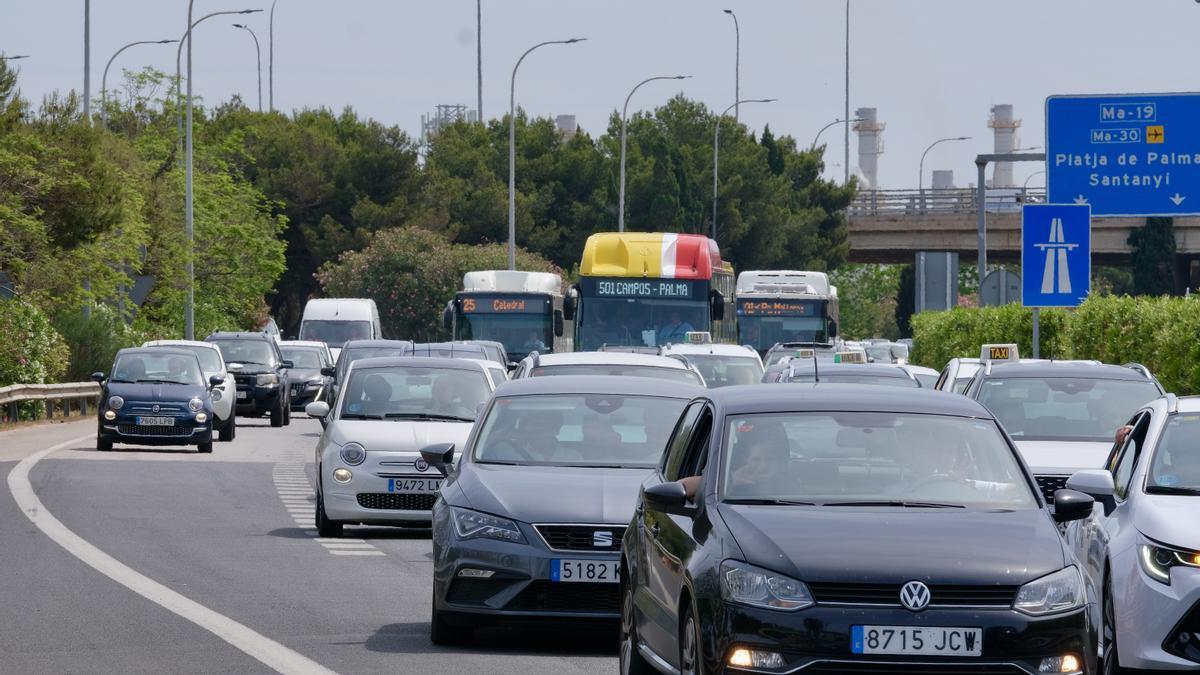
{"x":229,"y":536}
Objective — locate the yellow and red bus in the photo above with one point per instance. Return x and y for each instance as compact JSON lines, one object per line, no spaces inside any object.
{"x":640,"y":289}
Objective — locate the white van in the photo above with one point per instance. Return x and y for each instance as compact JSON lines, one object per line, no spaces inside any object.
{"x":336,"y":321}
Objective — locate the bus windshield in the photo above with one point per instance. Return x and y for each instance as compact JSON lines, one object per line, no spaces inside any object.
{"x":639,"y":321}
{"x":519,"y":322}
{"x":761,"y":332}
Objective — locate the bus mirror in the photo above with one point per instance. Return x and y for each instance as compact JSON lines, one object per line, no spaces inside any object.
{"x":831,"y":331}
{"x":448,"y":317}
{"x":718,"y":305}
{"x":569,"y":304}
{"x":558,"y":323}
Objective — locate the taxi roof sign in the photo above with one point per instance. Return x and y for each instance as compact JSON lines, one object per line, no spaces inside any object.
{"x":805,"y":353}
{"x":999,"y":353}
{"x":850,"y":357}
{"x":697,"y":337}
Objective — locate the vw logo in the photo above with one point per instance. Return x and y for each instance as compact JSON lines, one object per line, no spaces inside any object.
{"x":154,"y":408}
{"x":421,"y":464}
{"x":914,"y":596}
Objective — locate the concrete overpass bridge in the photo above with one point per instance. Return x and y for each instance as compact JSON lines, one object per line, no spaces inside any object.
{"x":890,"y":226}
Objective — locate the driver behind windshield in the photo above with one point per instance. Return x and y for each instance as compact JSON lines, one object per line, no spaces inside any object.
{"x":932,"y":455}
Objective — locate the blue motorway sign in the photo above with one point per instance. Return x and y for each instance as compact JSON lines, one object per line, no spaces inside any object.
{"x":1056,"y":254}
{"x":1125,"y":154}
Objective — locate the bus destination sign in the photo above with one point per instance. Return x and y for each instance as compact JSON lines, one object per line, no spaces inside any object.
{"x":776,"y":308}
{"x":502,"y":304}
{"x":672,"y":289}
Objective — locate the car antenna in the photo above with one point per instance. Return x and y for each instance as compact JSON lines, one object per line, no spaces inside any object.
{"x":816,"y":372}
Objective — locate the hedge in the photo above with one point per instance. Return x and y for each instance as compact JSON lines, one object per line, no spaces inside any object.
{"x":31,"y":351}
{"x":1158,"y":332}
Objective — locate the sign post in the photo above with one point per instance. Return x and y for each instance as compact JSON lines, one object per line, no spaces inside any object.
{"x":1056,"y":258}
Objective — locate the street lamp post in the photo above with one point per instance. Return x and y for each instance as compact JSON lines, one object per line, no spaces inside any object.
{"x":512,"y":150}
{"x":737,"y":64}
{"x":479,"y":60}
{"x":104,"y":77}
{"x":624,"y":115}
{"x":271,"y":59}
{"x":258,"y":52}
{"x":14,"y":57}
{"x":186,"y":37}
{"x":818,"y":136}
{"x":87,"y":62}
{"x":716,"y":153}
{"x":921,"y":168}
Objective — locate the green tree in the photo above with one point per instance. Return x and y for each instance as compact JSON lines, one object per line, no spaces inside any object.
{"x":1153,"y":257}
{"x":867,"y":300}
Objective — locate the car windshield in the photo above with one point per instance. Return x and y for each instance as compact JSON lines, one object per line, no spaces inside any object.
{"x":258,"y":352}
{"x":164,"y":368}
{"x":659,"y":373}
{"x":841,"y":377}
{"x":1064,"y":409}
{"x":455,"y":352}
{"x":412,"y":392}
{"x":349,"y":356}
{"x":867,"y":458}
{"x":1176,"y":466}
{"x":307,"y":359}
{"x":335,"y":333}
{"x":595,"y":430}
{"x":725,"y":371}
{"x":210,"y":359}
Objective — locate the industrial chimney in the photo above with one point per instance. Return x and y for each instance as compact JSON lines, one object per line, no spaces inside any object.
{"x":870,"y":146}
{"x":1005,"y":129}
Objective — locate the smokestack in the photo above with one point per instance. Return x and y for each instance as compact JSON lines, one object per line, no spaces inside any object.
{"x":870,"y":146}
{"x":1005,"y":129}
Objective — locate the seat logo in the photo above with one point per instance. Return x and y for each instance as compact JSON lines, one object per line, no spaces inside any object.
{"x":914,"y":596}
{"x":602,"y":539}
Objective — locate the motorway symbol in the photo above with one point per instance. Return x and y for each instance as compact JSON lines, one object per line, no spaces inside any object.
{"x":1113,"y":152}
{"x":1055,"y":240}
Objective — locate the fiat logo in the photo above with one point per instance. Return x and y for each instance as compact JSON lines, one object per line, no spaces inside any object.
{"x":155,"y":408}
{"x":914,"y":596}
{"x":421,"y":464}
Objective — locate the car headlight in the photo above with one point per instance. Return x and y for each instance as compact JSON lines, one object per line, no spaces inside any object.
{"x":313,"y":384}
{"x":116,"y":402}
{"x":749,"y":585}
{"x":353,"y":453}
{"x":110,"y":415}
{"x":1157,"y":560}
{"x":201,"y":417}
{"x":1053,"y":593}
{"x":195,"y":405}
{"x":265,"y":379}
{"x":216,"y":395}
{"x":472,"y":524}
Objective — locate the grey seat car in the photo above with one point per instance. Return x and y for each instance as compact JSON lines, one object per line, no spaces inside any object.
{"x":530,"y":519}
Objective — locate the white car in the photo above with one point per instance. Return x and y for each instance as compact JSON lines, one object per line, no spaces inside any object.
{"x":721,"y":365}
{"x":223,"y":395}
{"x":369,"y":466}
{"x":608,"y":363}
{"x":1141,"y":546}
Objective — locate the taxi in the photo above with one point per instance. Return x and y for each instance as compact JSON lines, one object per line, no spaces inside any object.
{"x":1061,"y":414}
{"x":721,"y":365}
{"x":1142,"y":549}
{"x":786,"y":350}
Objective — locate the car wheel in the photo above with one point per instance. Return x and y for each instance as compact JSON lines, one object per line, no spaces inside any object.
{"x":443,"y":634}
{"x":103,"y":445}
{"x":632,"y":661}
{"x":204,"y":448}
{"x":325,"y":526}
{"x":229,"y":429}
{"x":277,"y":413}
{"x":1111,"y":663}
{"x":689,"y":645}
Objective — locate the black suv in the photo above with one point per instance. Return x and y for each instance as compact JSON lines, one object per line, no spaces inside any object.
{"x":261,"y":373}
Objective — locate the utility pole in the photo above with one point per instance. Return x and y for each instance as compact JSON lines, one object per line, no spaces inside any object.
{"x":479,"y":59}
{"x":87,"y":62}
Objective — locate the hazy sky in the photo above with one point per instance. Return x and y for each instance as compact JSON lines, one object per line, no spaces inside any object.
{"x":933,"y":68}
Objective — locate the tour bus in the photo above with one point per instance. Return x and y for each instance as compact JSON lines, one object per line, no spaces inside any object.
{"x":521,"y":310}
{"x":650,"y":289}
{"x":336,"y":321}
{"x":785,"y":306}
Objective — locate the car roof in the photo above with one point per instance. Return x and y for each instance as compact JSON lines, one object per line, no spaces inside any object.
{"x":356,"y":344}
{"x":754,"y":398}
{"x":158,"y":344}
{"x":417,"y":362}
{"x":716,"y":349}
{"x":240,"y":335}
{"x":1188,"y":404}
{"x":599,"y":384}
{"x":609,"y":358}
{"x":1075,"y":369}
{"x":311,"y":344}
{"x":920,"y":370}
{"x":881,"y":369}
{"x":157,"y":351}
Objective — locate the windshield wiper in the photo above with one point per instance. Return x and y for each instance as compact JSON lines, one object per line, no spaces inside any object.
{"x":360,"y":416}
{"x":159,"y":381}
{"x":1172,"y":490}
{"x":900,"y":503}
{"x":426,"y":416}
{"x":122,"y":381}
{"x":769,"y":502}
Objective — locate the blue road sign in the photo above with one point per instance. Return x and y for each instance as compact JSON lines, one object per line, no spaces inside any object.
{"x":1056,"y":254}
{"x":1125,"y":154}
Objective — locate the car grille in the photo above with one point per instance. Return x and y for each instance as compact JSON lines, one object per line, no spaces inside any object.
{"x":396,"y":502}
{"x":1048,"y":484}
{"x":877,"y":668}
{"x":889,"y":594}
{"x":548,"y":596}
{"x":142,"y":430}
{"x":580,"y":537}
{"x":164,"y":409}
{"x":475,"y":591}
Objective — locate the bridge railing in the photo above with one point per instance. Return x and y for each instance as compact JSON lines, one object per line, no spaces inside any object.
{"x":12,"y":396}
{"x":947,"y":201}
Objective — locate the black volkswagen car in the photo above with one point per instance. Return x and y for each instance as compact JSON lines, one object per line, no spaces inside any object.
{"x":155,"y":396}
{"x":849,"y":529}
{"x":261,"y":372}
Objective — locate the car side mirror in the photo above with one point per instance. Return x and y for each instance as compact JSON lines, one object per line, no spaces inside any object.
{"x":216,"y":380}
{"x":1072,"y":505}
{"x":286,"y":364}
{"x":1098,"y":484}
{"x":97,"y":376}
{"x":717,"y":302}
{"x":440,"y":456}
{"x":318,"y":409}
{"x":558,"y":323}
{"x":329,"y":371}
{"x":668,"y":498}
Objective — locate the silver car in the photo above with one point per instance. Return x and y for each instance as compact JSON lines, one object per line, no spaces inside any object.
{"x":530,"y":521}
{"x":369,"y":467}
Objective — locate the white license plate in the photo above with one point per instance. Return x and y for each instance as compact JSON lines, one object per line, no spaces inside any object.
{"x":242,"y":393}
{"x":414,"y":485}
{"x":923,"y":641}
{"x":155,"y":421}
{"x":587,"y":571}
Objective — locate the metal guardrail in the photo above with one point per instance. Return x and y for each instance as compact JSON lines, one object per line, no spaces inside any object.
{"x":934,"y":202}
{"x":12,"y":396}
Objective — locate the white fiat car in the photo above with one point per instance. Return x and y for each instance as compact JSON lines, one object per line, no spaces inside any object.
{"x":369,"y":466}
{"x":223,"y":395}
{"x":1141,"y":546}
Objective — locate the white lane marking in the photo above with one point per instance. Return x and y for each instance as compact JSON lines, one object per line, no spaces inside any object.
{"x":332,"y":545}
{"x":374,"y":552}
{"x":296,"y":494}
{"x":256,"y":645}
